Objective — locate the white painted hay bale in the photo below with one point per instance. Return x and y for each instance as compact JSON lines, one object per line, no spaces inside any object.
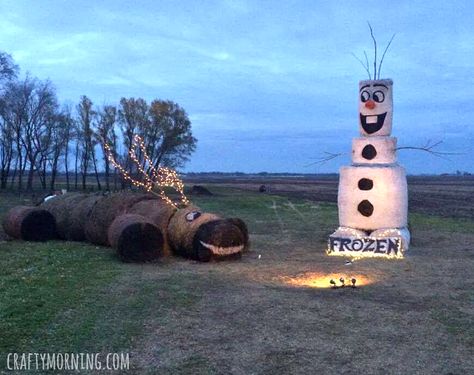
{"x":374,"y":150}
{"x":373,"y":197}
{"x":375,"y":107}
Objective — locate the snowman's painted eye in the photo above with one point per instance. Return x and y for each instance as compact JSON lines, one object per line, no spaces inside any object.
{"x":364,"y":96}
{"x":378,"y":96}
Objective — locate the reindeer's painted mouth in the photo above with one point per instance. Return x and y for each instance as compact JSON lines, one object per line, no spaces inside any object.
{"x":218,"y":250}
{"x":372,"y":123}
{"x":219,"y":239}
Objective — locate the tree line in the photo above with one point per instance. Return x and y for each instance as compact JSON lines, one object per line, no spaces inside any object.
{"x":40,"y":139}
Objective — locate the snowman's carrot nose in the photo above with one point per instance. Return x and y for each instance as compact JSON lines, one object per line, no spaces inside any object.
{"x":370,"y":104}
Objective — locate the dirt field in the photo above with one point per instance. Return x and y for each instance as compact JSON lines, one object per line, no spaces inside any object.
{"x":447,"y":196}
{"x":253,"y":316}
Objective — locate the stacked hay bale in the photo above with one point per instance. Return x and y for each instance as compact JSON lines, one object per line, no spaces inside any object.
{"x":30,"y":224}
{"x":62,"y":207}
{"x":194,"y":234}
{"x":98,"y":219}
{"x":159,"y":213}
{"x":106,"y":210}
{"x":79,"y":216}
{"x":135,"y":238}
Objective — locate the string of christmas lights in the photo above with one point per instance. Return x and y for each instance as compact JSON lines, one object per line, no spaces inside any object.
{"x":155,"y":179}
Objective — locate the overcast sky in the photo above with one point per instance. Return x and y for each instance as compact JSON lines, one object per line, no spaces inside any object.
{"x":268,"y":85}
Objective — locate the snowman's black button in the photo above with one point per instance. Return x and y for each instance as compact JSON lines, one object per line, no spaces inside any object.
{"x":369,"y":152}
{"x":366,"y":184}
{"x":365,"y":208}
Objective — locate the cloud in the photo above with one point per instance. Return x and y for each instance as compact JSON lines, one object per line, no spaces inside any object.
{"x":274,"y":81}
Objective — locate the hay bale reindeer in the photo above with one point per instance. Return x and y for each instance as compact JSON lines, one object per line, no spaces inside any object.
{"x":141,"y":227}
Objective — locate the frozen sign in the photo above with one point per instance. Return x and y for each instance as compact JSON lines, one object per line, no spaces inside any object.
{"x":365,"y":246}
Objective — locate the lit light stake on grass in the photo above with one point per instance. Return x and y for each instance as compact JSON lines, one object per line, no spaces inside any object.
{"x":353,"y":282}
{"x":324,"y":281}
{"x":343,"y":283}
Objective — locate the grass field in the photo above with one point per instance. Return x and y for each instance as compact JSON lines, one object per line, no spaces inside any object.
{"x":246,"y":317}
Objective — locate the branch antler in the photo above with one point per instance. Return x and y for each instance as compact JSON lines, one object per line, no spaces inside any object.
{"x":152,"y":179}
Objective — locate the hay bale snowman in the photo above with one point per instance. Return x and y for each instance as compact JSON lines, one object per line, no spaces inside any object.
{"x":372,"y":196}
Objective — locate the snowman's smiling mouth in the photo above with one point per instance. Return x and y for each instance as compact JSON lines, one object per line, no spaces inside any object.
{"x":372,"y":123}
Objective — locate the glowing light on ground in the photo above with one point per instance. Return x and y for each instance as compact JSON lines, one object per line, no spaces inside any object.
{"x":318,"y":280}
{"x":365,"y":256}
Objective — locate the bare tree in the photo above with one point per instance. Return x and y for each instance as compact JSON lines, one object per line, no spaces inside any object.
{"x":30,"y":105}
{"x":69,"y":134}
{"x":61,"y":134}
{"x":164,"y":127}
{"x":133,"y":118}
{"x":85,"y":136}
{"x":8,"y":69}
{"x":36,"y":135}
{"x":13,"y":104}
{"x":39,"y":116}
{"x":77,"y":137}
{"x":105,"y":134}
{"x":6,"y":149}
{"x":169,"y":137}
{"x":8,"y":72}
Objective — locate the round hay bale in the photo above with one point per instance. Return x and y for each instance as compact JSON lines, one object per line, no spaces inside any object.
{"x":183,"y":226}
{"x":106,"y":210}
{"x":37,"y":200}
{"x":159,"y":213}
{"x":218,"y":239}
{"x":243,"y":228}
{"x":61,"y":207}
{"x":135,"y":238}
{"x":200,"y":190}
{"x":30,"y":224}
{"x":79,"y":216}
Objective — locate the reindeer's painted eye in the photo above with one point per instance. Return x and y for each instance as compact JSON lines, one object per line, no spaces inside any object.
{"x":193,"y":215}
{"x":364,"y":96}
{"x":378,"y":96}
